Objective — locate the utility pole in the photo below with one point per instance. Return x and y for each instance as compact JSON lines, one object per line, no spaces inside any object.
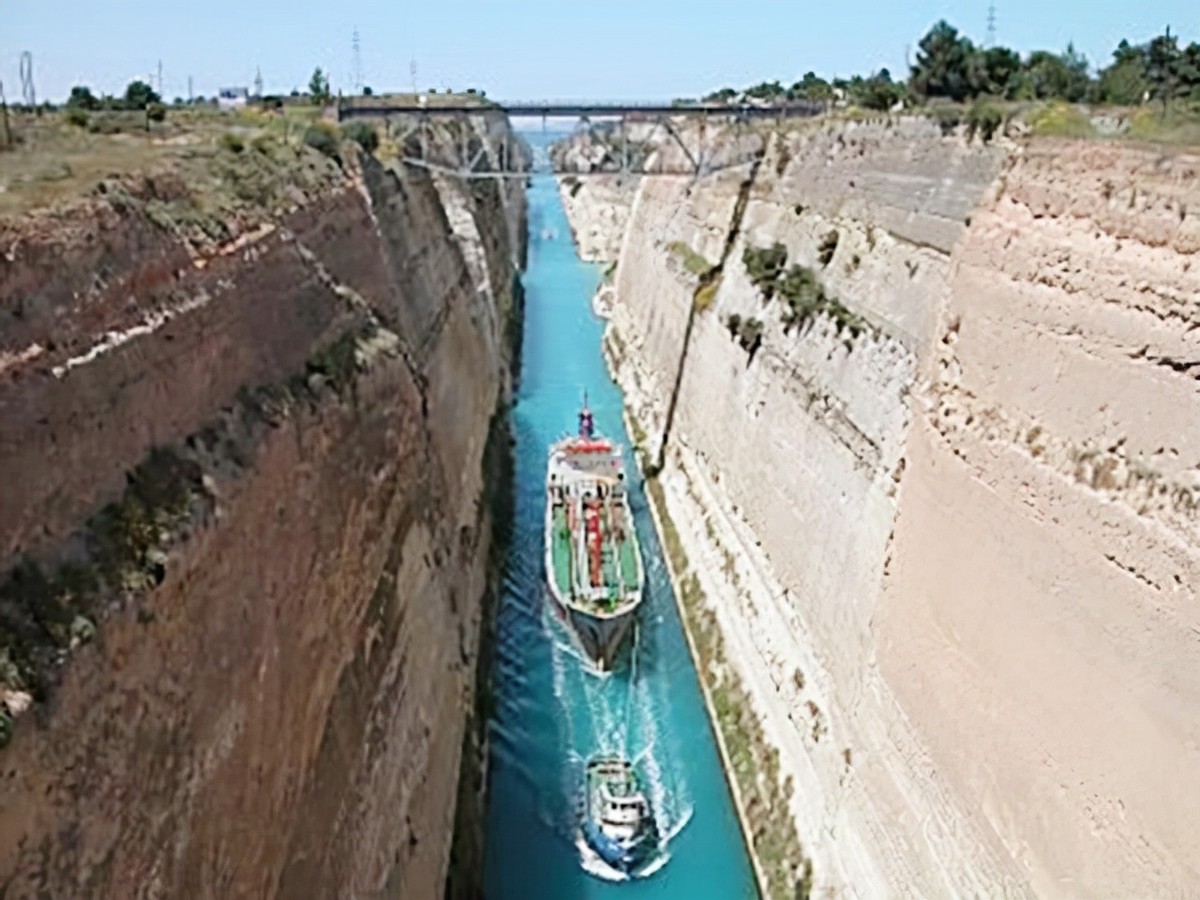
{"x":189,"y":90}
{"x":160,"y":78}
{"x":28,"y":94}
{"x":258,"y":84}
{"x":4,"y":118}
{"x":991,"y":25}
{"x":412,"y":70}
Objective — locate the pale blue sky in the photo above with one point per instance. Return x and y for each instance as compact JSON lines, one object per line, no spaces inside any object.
{"x":596,"y":49}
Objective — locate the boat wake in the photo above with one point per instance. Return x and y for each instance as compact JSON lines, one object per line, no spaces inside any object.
{"x":616,"y":713}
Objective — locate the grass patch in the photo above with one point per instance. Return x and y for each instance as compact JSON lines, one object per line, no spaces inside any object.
{"x":1060,"y":120}
{"x":706,"y":294}
{"x":693,"y":262}
{"x":984,"y":118}
{"x":1177,"y":125}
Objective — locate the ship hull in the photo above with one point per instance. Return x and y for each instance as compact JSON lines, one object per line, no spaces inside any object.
{"x":599,"y":639}
{"x":593,"y":561}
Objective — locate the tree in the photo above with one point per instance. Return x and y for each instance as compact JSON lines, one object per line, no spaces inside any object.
{"x":318,"y":87}
{"x":1163,"y":65}
{"x":995,"y":71}
{"x":724,"y":95}
{"x":139,"y":95}
{"x":1057,"y":76}
{"x":942,"y":64}
{"x":876,"y":92}
{"x":811,"y":87}
{"x":767,"y":90}
{"x":367,"y":92}
{"x":1190,"y":71}
{"x":1124,"y":81}
{"x":82,"y":98}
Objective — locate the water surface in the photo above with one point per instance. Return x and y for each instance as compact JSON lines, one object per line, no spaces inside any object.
{"x":550,"y":713}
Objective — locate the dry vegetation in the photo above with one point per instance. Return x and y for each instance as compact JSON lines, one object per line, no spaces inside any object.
{"x":55,"y":156}
{"x":753,"y":762}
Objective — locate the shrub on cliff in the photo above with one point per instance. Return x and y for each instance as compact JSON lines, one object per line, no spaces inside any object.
{"x":362,"y":134}
{"x":747,"y":332}
{"x":706,"y":294}
{"x":985,"y":119}
{"x":827,"y":247}
{"x":323,"y":139}
{"x":231,"y":142}
{"x":77,"y":117}
{"x":764,"y":265}
{"x":1060,"y":120}
{"x":692,"y":261}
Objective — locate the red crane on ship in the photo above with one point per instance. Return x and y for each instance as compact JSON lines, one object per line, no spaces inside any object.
{"x":595,"y":540}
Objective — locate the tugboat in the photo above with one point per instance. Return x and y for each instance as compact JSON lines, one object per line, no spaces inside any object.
{"x":617,"y":823}
{"x":593,"y":561}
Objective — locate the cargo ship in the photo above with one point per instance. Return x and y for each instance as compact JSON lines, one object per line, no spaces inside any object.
{"x":593,"y":561}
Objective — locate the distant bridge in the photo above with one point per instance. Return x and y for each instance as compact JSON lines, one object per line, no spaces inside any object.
{"x":695,"y":152}
{"x":576,"y":109}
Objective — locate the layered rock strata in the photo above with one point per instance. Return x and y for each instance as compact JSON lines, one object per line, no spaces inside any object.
{"x":942,"y":503}
{"x":246,"y":530}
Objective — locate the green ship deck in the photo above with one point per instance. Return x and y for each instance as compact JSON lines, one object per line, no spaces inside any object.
{"x":620,"y":574}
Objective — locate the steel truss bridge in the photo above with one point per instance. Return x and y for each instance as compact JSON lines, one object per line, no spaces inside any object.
{"x":628,"y":139}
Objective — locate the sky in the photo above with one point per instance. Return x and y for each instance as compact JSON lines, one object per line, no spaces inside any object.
{"x":529,"y":49}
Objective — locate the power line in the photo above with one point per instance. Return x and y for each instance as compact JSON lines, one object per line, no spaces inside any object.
{"x":358,"y":80}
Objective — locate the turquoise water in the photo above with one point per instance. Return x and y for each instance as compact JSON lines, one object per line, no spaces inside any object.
{"x":550,"y":714}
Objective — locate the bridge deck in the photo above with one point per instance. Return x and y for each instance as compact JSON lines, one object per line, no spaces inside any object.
{"x":582,"y":109}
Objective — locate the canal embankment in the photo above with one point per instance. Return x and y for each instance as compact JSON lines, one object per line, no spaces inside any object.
{"x":921,"y":449}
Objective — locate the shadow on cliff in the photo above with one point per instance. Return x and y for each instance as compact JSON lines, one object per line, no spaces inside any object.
{"x":705,"y":283}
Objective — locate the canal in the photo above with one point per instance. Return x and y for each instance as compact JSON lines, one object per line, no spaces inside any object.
{"x":549,"y":714}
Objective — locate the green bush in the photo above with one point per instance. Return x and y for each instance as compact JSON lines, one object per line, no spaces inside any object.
{"x":232,"y":142}
{"x":77,"y":117}
{"x":262,"y":143}
{"x":156,"y":112}
{"x":764,"y":265}
{"x":1060,"y":120}
{"x":692,"y":261}
{"x":362,"y":134}
{"x":747,"y":332}
{"x":706,"y":294}
{"x":322,"y":139}
{"x":827,"y":247}
{"x":948,"y":118}
{"x":985,"y":119}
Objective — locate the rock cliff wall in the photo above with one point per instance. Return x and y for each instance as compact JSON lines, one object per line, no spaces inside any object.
{"x":246,"y":533}
{"x":942,"y":503}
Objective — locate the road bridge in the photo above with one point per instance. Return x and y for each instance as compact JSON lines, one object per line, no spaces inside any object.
{"x":575,"y":109}
{"x":628,"y":138}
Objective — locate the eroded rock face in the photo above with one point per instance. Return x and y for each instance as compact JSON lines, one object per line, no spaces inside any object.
{"x":274,"y":701}
{"x":950,"y":555}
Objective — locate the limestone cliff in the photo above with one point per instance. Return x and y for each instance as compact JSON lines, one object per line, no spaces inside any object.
{"x":246,"y":529}
{"x":938,"y":477}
